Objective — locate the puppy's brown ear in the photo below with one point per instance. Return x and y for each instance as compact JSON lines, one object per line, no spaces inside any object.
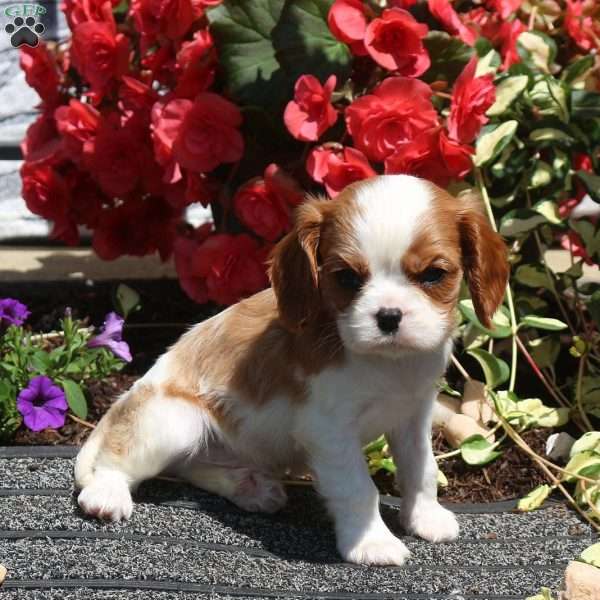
{"x":294,"y":270}
{"x":484,"y":260}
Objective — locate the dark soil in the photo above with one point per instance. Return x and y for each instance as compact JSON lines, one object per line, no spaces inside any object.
{"x":512,"y":475}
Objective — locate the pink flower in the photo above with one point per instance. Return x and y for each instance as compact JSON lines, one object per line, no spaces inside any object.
{"x":573,"y":243}
{"x":310,"y":113}
{"x":397,"y":110}
{"x":582,"y":22}
{"x":505,"y":8}
{"x":471,"y":98}
{"x":337,"y":167}
{"x":395,"y":41}
{"x":348,"y":22}
{"x":444,"y":12}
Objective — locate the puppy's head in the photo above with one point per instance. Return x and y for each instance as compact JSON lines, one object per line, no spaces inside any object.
{"x":385,"y":260}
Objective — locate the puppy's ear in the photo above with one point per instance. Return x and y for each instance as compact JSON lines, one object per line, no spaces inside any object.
{"x":485,"y":263}
{"x":294,"y":270}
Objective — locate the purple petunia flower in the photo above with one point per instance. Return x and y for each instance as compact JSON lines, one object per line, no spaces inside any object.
{"x":111,"y":337}
{"x":12,"y":312}
{"x":42,"y":404}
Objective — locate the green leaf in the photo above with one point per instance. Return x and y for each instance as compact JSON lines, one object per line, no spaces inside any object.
{"x":507,"y":91}
{"x":591,"y":183}
{"x":578,"y":69}
{"x":588,"y":441}
{"x":537,"y":50}
{"x":550,"y":98}
{"x":580,"y":461}
{"x":594,"y":307}
{"x":493,"y":140}
{"x":126,"y":299}
{"x":519,"y":221}
{"x":591,"y":555}
{"x":500,"y":319}
{"x":476,"y":450}
{"x":532,"y":276}
{"x":41,"y":361}
{"x":242,"y":31}
{"x":489,"y":62}
{"x":448,"y":55}
{"x":535,"y":498}
{"x":442,"y":480}
{"x":551,"y":417}
{"x":551,"y":134}
{"x":304,"y":43}
{"x":585,"y":105}
{"x":543,"y":323}
{"x":496,"y":371}
{"x":549,"y":210}
{"x":75,"y":398}
{"x":544,"y":351}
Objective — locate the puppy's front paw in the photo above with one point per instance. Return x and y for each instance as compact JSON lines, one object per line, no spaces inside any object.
{"x":431,"y":522}
{"x":381,"y":549}
{"x":106,"y":499}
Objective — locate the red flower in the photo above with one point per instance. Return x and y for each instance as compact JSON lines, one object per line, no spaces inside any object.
{"x":208,"y":134}
{"x":396,"y":111}
{"x":395,"y":41}
{"x":573,"y":243}
{"x":483,"y":22}
{"x":99,"y":54}
{"x":581,"y":162}
{"x":223,"y":268}
{"x":114,"y":157}
{"x":170,"y":18}
{"x":77,"y":123}
{"x":582,"y":22}
{"x":348,"y":22}
{"x":336,"y":167}
{"x":444,"y":12}
{"x":310,"y":113}
{"x":46,"y":194}
{"x":471,"y":98}
{"x":505,"y":8}
{"x":196,"y":64}
{"x":432,"y":156}
{"x":166,"y":121}
{"x":263,"y":205}
{"x":42,"y":144}
{"x":507,"y":36}
{"x":41,"y":72}
{"x":137,"y":227}
{"x":186,"y":265}
{"x":80,"y":11}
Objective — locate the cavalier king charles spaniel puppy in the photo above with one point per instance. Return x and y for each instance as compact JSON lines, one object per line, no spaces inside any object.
{"x":347,"y":344}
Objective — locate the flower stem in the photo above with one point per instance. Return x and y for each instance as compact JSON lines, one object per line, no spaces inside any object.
{"x":81,"y":421}
{"x":509,"y":296}
{"x":459,"y":367}
{"x":578,"y":396}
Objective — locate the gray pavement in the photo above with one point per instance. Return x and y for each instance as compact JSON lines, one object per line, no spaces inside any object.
{"x":183,"y":543}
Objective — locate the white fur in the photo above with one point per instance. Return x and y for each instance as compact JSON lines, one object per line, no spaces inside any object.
{"x":379,"y":388}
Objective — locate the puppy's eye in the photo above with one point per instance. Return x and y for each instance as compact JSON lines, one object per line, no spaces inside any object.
{"x":349,"y":279}
{"x":431,"y":276}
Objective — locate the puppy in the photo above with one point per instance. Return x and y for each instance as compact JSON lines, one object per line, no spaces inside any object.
{"x":348,"y":344}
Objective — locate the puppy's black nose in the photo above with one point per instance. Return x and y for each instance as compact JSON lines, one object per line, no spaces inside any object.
{"x":388,"y":319}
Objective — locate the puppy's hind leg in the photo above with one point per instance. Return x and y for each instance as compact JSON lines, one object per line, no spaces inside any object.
{"x":141,"y":435}
{"x":246,"y":487}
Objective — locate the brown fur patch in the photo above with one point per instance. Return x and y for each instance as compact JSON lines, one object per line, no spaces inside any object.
{"x":248,"y":350}
{"x":482,"y":250}
{"x":119,"y":421}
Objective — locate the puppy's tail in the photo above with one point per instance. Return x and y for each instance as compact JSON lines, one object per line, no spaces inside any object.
{"x":86,"y":459}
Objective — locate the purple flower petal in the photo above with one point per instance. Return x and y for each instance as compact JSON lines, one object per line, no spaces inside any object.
{"x":42,"y":404}
{"x":111,"y":337}
{"x":12,"y":312}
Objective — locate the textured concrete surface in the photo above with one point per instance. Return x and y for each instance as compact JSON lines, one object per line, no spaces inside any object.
{"x":184,"y":543}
